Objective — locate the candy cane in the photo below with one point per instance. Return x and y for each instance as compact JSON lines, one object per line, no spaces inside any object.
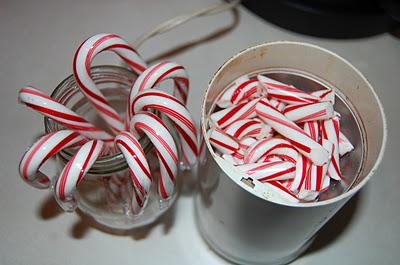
{"x":41,"y":151}
{"x":325,"y":95}
{"x":222,"y":141}
{"x":51,"y":108}
{"x":345,"y":146}
{"x":301,"y":173}
{"x":309,"y":112}
{"x":300,"y":140}
{"x":74,"y":171}
{"x":269,"y":146}
{"x":165,"y":147}
{"x":225,"y":100}
{"x":225,"y":117}
{"x":269,"y":171}
{"x":81,"y":68}
{"x":175,"y":110}
{"x":285,"y":93}
{"x":330,"y":131}
{"x":137,"y":163}
{"x":157,"y":73}
{"x":249,"y":127}
{"x":277,"y":104}
{"x":246,"y":142}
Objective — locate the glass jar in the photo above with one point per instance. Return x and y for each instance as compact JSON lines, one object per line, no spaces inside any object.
{"x":105,"y":192}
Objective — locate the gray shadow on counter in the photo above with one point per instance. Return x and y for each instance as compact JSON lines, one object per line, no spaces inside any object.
{"x":337,"y":225}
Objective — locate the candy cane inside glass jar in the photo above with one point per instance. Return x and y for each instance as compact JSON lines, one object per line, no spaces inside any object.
{"x":106,"y":193}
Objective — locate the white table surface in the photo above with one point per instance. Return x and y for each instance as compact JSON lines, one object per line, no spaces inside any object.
{"x":37,"y":42}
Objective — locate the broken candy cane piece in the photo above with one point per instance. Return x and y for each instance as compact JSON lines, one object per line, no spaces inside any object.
{"x":325,"y":95}
{"x":248,"y":127}
{"x":345,"y":146}
{"x":330,"y":131}
{"x":269,"y":146}
{"x":297,"y":137}
{"x":309,"y":112}
{"x":285,"y":93}
{"x":225,"y":117}
{"x":225,"y":99}
{"x":223,"y":142}
{"x":269,"y":171}
{"x":246,"y":142}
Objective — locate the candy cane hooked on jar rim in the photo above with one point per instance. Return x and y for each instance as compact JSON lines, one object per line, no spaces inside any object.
{"x":309,"y":112}
{"x":222,"y":141}
{"x":81,"y":68}
{"x":138,"y":167}
{"x":177,"y":112}
{"x":156,"y":74}
{"x":51,"y":108}
{"x":300,"y":140}
{"x":227,"y":116}
{"x":285,"y":93}
{"x":74,"y":172}
{"x":44,"y":148}
{"x":165,"y":148}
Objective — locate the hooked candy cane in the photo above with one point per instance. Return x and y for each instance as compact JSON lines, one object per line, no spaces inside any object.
{"x":227,"y":116}
{"x":222,"y":141}
{"x":137,"y":163}
{"x":300,"y":140}
{"x":74,"y":171}
{"x":165,"y":147}
{"x":269,"y":171}
{"x":309,"y":112}
{"x":156,"y":74}
{"x":81,"y":68}
{"x":248,"y":127}
{"x":51,"y":108}
{"x":325,"y":95}
{"x":225,"y":100}
{"x":330,"y":131}
{"x":269,"y":146}
{"x":345,"y":146}
{"x":285,"y":93}
{"x":175,"y":110}
{"x":44,"y":148}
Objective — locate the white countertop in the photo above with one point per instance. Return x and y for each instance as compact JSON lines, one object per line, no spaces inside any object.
{"x":38,"y":39}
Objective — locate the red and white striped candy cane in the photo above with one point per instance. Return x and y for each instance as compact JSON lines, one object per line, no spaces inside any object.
{"x":249,"y":127}
{"x":225,"y":100}
{"x":246,"y":142}
{"x":345,"y":145}
{"x":268,"y":146}
{"x":44,"y":148}
{"x":81,"y":68}
{"x":330,"y":131}
{"x":227,"y":116}
{"x":300,"y":140}
{"x":222,"y":141}
{"x":309,"y":112}
{"x":74,"y":171}
{"x":277,"y":104}
{"x":137,"y":163}
{"x":302,"y":165}
{"x":51,"y":108}
{"x":285,"y":93}
{"x":176,"y":111}
{"x":157,"y":73}
{"x":325,"y":95}
{"x":269,"y":171}
{"x":245,"y":91}
{"x":316,"y":174}
{"x":281,"y":189}
{"x":165,"y":147}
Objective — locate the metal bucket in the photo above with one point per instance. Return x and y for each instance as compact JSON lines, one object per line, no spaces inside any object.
{"x":238,"y":219}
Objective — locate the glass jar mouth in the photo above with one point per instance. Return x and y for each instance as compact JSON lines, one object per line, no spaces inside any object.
{"x":121,"y":80}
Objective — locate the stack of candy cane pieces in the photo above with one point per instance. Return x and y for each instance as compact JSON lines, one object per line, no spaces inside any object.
{"x":280,"y":135}
{"x":90,"y":143}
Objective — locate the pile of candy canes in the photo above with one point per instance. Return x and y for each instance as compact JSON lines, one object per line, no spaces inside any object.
{"x":90,"y":142}
{"x":280,"y":135}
